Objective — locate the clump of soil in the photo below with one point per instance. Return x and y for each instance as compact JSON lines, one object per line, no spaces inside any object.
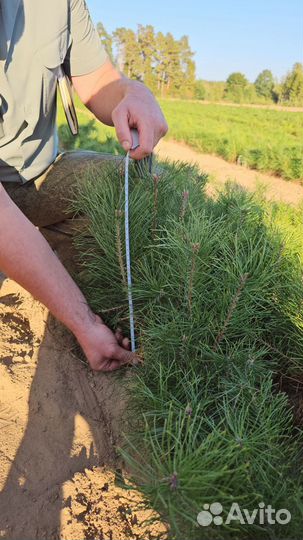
{"x":96,"y":507}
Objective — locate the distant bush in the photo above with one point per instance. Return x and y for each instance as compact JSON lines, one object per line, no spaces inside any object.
{"x":264,"y":84}
{"x":200,"y":90}
{"x":214,"y":90}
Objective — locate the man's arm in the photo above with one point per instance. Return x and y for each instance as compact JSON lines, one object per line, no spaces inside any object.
{"x":26,"y":257}
{"x":116,"y":100}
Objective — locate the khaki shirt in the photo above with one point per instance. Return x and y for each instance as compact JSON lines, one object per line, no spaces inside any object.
{"x":36,"y":37}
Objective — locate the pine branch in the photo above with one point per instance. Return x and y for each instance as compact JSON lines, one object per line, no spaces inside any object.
{"x":196,"y":410}
{"x":231,"y":310}
{"x":195,"y":250}
{"x":184,"y":203}
{"x":275,"y":350}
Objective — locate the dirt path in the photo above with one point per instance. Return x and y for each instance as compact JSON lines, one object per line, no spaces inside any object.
{"x":220,"y":171}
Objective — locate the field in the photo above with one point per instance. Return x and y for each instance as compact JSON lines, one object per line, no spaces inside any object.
{"x":265,"y":140}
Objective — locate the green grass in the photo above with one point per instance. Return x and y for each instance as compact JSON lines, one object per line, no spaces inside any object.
{"x":265,"y":140}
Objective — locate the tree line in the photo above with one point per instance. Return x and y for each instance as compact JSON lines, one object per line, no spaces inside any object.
{"x":265,"y":89}
{"x":167,"y":66}
{"x":163,"y":63}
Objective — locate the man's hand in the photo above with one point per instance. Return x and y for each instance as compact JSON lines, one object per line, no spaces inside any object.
{"x":139,"y":109}
{"x":26,"y":257}
{"x":104,"y":350}
{"x":119,"y":101}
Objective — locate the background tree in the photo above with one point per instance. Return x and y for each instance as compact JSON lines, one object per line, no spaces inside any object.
{"x":236,"y":84}
{"x":215,"y":90}
{"x":264,"y":84}
{"x":147,"y":49}
{"x":170,"y":73}
{"x":163,"y":63}
{"x":188,"y":65}
{"x":128,"y":56}
{"x":167,"y":66}
{"x":106,"y":39}
{"x":292,"y":87}
{"x":200,"y":91}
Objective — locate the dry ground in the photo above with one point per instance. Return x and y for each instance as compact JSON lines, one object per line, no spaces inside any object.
{"x":274,"y":187}
{"x":60,"y":477}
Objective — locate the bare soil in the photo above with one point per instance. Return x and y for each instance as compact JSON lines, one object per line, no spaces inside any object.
{"x":272,"y":187}
{"x":60,"y":477}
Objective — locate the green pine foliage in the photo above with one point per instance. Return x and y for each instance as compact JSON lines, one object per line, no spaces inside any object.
{"x":218,"y":310}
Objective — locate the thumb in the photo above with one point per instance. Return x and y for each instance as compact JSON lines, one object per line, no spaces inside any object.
{"x":120,"y":120}
{"x":127,"y":357}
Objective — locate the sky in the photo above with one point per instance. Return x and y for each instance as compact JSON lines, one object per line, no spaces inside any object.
{"x":226,"y":35}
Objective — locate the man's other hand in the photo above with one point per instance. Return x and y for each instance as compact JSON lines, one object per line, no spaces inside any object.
{"x":104,"y":350}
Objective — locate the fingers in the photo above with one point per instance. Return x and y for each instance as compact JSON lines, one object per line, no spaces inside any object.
{"x":123,"y":341}
{"x":149,"y":135}
{"x":126,"y":357}
{"x":146,"y":142}
{"x":126,"y":343}
{"x":119,"y":335}
{"x":121,"y":123}
{"x":122,"y":358}
{"x":120,"y":355}
{"x":107,"y":351}
{"x":147,"y":118}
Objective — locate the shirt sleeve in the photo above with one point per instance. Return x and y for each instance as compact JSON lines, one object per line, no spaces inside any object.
{"x":86,"y":52}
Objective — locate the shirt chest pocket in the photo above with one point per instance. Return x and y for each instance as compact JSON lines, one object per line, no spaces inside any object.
{"x":51,"y":57}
